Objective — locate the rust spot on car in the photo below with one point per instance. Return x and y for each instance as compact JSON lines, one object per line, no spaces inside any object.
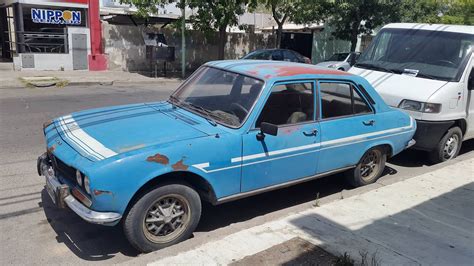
{"x":179,"y":165}
{"x":52,"y":148}
{"x":159,"y":158}
{"x":301,"y":70}
{"x":99,"y":192}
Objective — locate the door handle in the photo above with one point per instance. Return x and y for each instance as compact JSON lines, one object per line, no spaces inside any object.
{"x":313,"y":132}
{"x":369,"y":123}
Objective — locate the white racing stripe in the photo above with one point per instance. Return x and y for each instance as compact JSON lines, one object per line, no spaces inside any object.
{"x":83,"y":140}
{"x":325,"y":145}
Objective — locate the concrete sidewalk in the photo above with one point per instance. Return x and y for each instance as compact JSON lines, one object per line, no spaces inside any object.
{"x":20,"y":79}
{"x":428,"y":219}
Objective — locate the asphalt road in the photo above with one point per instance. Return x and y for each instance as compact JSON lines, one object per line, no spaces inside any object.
{"x":32,"y":231}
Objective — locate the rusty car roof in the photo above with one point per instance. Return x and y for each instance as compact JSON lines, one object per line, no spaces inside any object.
{"x":266,"y":69}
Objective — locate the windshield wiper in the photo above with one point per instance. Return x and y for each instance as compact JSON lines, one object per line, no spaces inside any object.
{"x":203,"y":111}
{"x":375,"y":67}
{"x":421,"y":75}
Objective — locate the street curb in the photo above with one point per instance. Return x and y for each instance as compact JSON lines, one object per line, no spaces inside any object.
{"x":98,"y":83}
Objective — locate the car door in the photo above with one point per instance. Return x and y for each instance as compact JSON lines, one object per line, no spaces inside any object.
{"x":346,"y":117}
{"x":293,"y":153}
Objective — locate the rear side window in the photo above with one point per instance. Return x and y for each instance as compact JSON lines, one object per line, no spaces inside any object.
{"x":289,"y":56}
{"x":341,"y":99}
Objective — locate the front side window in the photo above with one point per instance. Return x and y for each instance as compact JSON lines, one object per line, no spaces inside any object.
{"x":218,"y":95}
{"x":341,"y":99}
{"x":290,"y":103}
{"x":428,"y":54}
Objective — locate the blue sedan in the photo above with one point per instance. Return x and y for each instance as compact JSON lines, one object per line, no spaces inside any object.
{"x":232,"y":130}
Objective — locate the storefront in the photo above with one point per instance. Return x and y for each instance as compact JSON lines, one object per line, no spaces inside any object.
{"x":47,"y":35}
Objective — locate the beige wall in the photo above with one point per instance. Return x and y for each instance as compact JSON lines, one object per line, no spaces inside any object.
{"x":125,"y":47}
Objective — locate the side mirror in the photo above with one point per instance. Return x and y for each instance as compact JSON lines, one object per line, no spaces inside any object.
{"x":267,"y":128}
{"x":352,"y":60}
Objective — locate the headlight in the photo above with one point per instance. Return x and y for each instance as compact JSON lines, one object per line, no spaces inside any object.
{"x":79,"y":177}
{"x":420,"y":106}
{"x":87,"y":185}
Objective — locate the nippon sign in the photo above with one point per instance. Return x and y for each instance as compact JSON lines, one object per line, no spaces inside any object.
{"x":51,"y":16}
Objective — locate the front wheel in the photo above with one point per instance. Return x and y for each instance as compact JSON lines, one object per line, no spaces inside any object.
{"x":163,"y":217}
{"x":369,"y":168}
{"x":448,"y":147}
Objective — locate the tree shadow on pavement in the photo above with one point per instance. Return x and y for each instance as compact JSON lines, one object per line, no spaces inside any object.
{"x":439,"y":230}
{"x":87,"y":241}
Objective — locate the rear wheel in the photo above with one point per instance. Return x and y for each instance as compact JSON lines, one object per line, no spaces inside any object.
{"x":164,"y":216}
{"x":448,"y":147}
{"x":369,"y":168}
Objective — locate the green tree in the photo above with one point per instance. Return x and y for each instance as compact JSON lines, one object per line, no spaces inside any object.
{"x":281,"y":11}
{"x":353,"y":17}
{"x":217,"y":15}
{"x":438,"y":11}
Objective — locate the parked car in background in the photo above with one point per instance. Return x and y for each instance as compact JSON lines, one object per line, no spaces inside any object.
{"x":278,"y":55}
{"x":340,"y":61}
{"x":427,"y":71}
{"x":233,"y":129}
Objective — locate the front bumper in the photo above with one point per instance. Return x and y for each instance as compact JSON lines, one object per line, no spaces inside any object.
{"x":61,"y":196}
{"x":429,"y":133}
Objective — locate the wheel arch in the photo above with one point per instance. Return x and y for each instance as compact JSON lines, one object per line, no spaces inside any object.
{"x":462,"y":124}
{"x":388,"y":147}
{"x":195,"y":181}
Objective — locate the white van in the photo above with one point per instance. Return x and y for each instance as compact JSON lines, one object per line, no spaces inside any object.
{"x":427,"y":70}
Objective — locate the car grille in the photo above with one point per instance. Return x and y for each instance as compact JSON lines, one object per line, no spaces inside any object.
{"x":63,"y":169}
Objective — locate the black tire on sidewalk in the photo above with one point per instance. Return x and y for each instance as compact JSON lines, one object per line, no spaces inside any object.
{"x":163,"y":217}
{"x":369,"y":168}
{"x":448,"y":147}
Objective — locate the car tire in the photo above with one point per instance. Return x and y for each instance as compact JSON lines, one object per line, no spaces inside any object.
{"x":341,"y":68}
{"x":163,"y":217}
{"x":369,"y":168}
{"x":448,"y":147}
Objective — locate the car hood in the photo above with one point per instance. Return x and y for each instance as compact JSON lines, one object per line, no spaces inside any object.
{"x":396,"y":87}
{"x":102,"y":133}
{"x":328,"y":63}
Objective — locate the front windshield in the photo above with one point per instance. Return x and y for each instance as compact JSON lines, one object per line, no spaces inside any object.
{"x":218,"y":95}
{"x":426,"y":54}
{"x":338,"y":57}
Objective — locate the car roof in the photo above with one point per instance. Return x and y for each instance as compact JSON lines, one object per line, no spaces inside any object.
{"x":267,"y":69}
{"x":433,"y":27}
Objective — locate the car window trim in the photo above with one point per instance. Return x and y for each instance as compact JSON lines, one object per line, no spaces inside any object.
{"x":315,"y":97}
{"x":318,"y":81}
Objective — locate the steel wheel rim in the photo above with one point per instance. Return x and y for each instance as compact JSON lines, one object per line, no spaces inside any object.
{"x":370,"y":165}
{"x":450,"y":147}
{"x":167,"y":218}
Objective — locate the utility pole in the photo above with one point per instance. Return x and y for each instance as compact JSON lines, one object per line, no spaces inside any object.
{"x":183,"y":39}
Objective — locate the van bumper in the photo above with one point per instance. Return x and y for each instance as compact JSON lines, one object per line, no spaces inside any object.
{"x":429,"y":133}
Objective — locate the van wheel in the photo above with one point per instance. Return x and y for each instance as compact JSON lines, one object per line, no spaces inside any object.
{"x":163,"y":217}
{"x":448,"y":147}
{"x":369,"y":168}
